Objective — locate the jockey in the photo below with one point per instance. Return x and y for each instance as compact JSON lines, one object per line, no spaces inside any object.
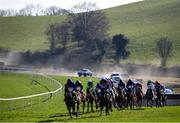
{"x":70,"y":84}
{"x":130,"y":84}
{"x":110,"y":85}
{"x":121,"y":85}
{"x":150,"y":84}
{"x":103,"y":83}
{"x":138,"y":85}
{"x":90,"y":86}
{"x":98,"y":86}
{"x":158,"y":86}
{"x":110,"y":82}
{"x":79,"y":85}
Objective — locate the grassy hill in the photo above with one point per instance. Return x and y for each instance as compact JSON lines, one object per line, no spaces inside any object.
{"x":142,"y":22}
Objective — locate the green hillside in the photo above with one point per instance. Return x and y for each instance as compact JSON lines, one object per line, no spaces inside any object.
{"x":142,"y":22}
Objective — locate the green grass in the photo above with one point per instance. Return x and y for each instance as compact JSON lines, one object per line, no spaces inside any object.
{"x":16,"y":85}
{"x":55,"y":110}
{"x":145,"y":22}
{"x":25,"y":33}
{"x":142,"y":22}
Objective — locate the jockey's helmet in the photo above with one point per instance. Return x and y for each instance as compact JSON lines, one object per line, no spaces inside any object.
{"x":90,"y":81}
{"x":78,"y":82}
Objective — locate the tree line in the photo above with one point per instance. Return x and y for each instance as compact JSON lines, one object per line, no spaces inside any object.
{"x":83,"y":38}
{"x":87,"y":29}
{"x":34,"y":10}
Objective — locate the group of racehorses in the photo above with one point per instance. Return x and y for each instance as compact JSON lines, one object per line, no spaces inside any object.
{"x":111,"y":97}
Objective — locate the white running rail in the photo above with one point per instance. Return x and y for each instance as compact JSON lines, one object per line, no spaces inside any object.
{"x":36,"y":95}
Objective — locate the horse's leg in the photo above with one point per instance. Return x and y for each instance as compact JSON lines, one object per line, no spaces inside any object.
{"x":157,"y":102}
{"x":107,"y":109}
{"x":88,"y":105}
{"x":123,"y":103}
{"x":133,"y":103}
{"x":92,"y":105}
{"x":101,"y":108}
{"x":161,"y":104}
{"x":141,"y":103}
{"x":73,"y":108}
{"x":152,"y":102}
{"x":84,"y":103}
{"x":120,"y":104}
{"x":69,"y":110}
{"x":130,"y":103}
{"x":147,"y":102}
{"x":77,"y":111}
{"x":96,"y":104}
{"x":110,"y":105}
{"x":126,"y":105}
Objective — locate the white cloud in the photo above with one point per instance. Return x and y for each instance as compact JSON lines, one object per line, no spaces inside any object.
{"x":67,"y":4}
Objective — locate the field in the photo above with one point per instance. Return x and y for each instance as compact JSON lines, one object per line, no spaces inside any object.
{"x":54,"y":109}
{"x":142,"y":22}
{"x":13,"y":85}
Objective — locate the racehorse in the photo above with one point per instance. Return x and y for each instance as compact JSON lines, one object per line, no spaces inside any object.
{"x":161,"y":98}
{"x":131,"y":97}
{"x":70,"y":101}
{"x":121,"y":98}
{"x":80,"y":98}
{"x":150,"y":96}
{"x":90,"y":98}
{"x":139,"y":96}
{"x":97,"y":98}
{"x":105,"y":101}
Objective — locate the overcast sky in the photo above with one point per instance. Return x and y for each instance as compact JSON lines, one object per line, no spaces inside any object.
{"x":67,"y":4}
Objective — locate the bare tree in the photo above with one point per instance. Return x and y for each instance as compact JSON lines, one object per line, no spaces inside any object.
{"x":164,"y":49}
{"x":51,"y":32}
{"x":37,"y":9}
{"x":88,"y":23}
{"x":8,"y":12}
{"x":54,"y":10}
{"x":26,"y":11}
{"x":64,"y":33}
{"x":2,"y":12}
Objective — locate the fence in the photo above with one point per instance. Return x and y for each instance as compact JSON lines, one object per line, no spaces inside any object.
{"x":53,"y":89}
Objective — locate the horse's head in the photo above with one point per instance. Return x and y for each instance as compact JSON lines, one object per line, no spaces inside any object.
{"x":69,"y":89}
{"x":78,"y":88}
{"x":160,"y":91}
